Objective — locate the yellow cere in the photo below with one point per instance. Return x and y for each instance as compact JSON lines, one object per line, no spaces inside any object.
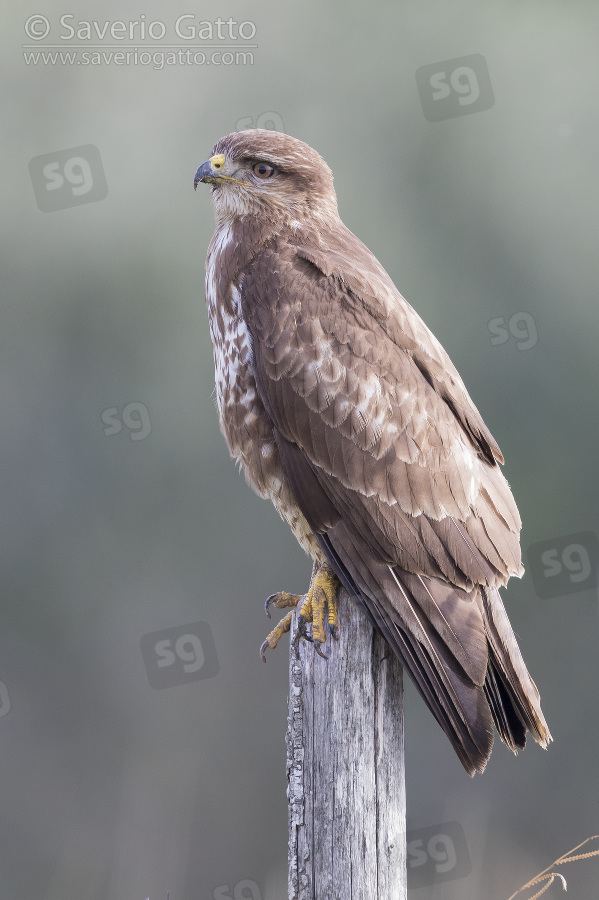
{"x":218,"y":161}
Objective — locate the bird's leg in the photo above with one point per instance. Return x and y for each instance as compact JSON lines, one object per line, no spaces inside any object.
{"x":322,"y":594}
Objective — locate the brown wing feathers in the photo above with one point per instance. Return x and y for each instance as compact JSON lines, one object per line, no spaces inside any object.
{"x":456,"y":702}
{"x":394,"y":470}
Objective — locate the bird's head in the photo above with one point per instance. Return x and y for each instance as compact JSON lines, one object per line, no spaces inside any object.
{"x":266,"y":173}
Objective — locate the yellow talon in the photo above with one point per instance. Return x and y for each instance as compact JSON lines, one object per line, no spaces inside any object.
{"x":281,"y":600}
{"x":322,"y":593}
{"x":276,"y":634}
{"x":306,"y":608}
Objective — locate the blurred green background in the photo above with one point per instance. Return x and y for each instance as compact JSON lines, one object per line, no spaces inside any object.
{"x":110,"y":788}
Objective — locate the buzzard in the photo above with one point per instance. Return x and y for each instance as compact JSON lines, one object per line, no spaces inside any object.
{"x":342,"y":407}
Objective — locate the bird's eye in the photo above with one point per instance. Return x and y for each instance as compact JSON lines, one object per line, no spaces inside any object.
{"x":263,"y":170}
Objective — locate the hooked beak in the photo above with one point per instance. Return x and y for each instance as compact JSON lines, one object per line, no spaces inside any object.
{"x":210,"y":172}
{"x":204,"y":174}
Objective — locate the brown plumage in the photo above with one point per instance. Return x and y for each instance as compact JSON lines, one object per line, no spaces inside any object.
{"x":344,"y":410}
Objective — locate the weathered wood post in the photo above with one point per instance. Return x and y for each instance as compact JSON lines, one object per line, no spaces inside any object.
{"x":345,"y":766}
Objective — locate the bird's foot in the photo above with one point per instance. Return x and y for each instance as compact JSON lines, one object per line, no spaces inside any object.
{"x":321,"y":595}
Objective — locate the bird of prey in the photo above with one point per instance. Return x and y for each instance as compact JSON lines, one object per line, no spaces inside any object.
{"x":342,"y":407}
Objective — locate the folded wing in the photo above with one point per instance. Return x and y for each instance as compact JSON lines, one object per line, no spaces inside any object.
{"x":396,"y":473}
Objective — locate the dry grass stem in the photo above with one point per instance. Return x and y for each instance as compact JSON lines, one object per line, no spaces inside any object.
{"x":550,"y":877}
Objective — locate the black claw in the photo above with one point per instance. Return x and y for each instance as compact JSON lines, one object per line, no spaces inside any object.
{"x":267,"y":603}
{"x":317,"y":646}
{"x":333,"y":631}
{"x":301,"y":625}
{"x":263,"y":647}
{"x":296,"y":641}
{"x":299,"y":633}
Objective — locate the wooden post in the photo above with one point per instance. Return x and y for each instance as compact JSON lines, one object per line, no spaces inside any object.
{"x":345,"y":766}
